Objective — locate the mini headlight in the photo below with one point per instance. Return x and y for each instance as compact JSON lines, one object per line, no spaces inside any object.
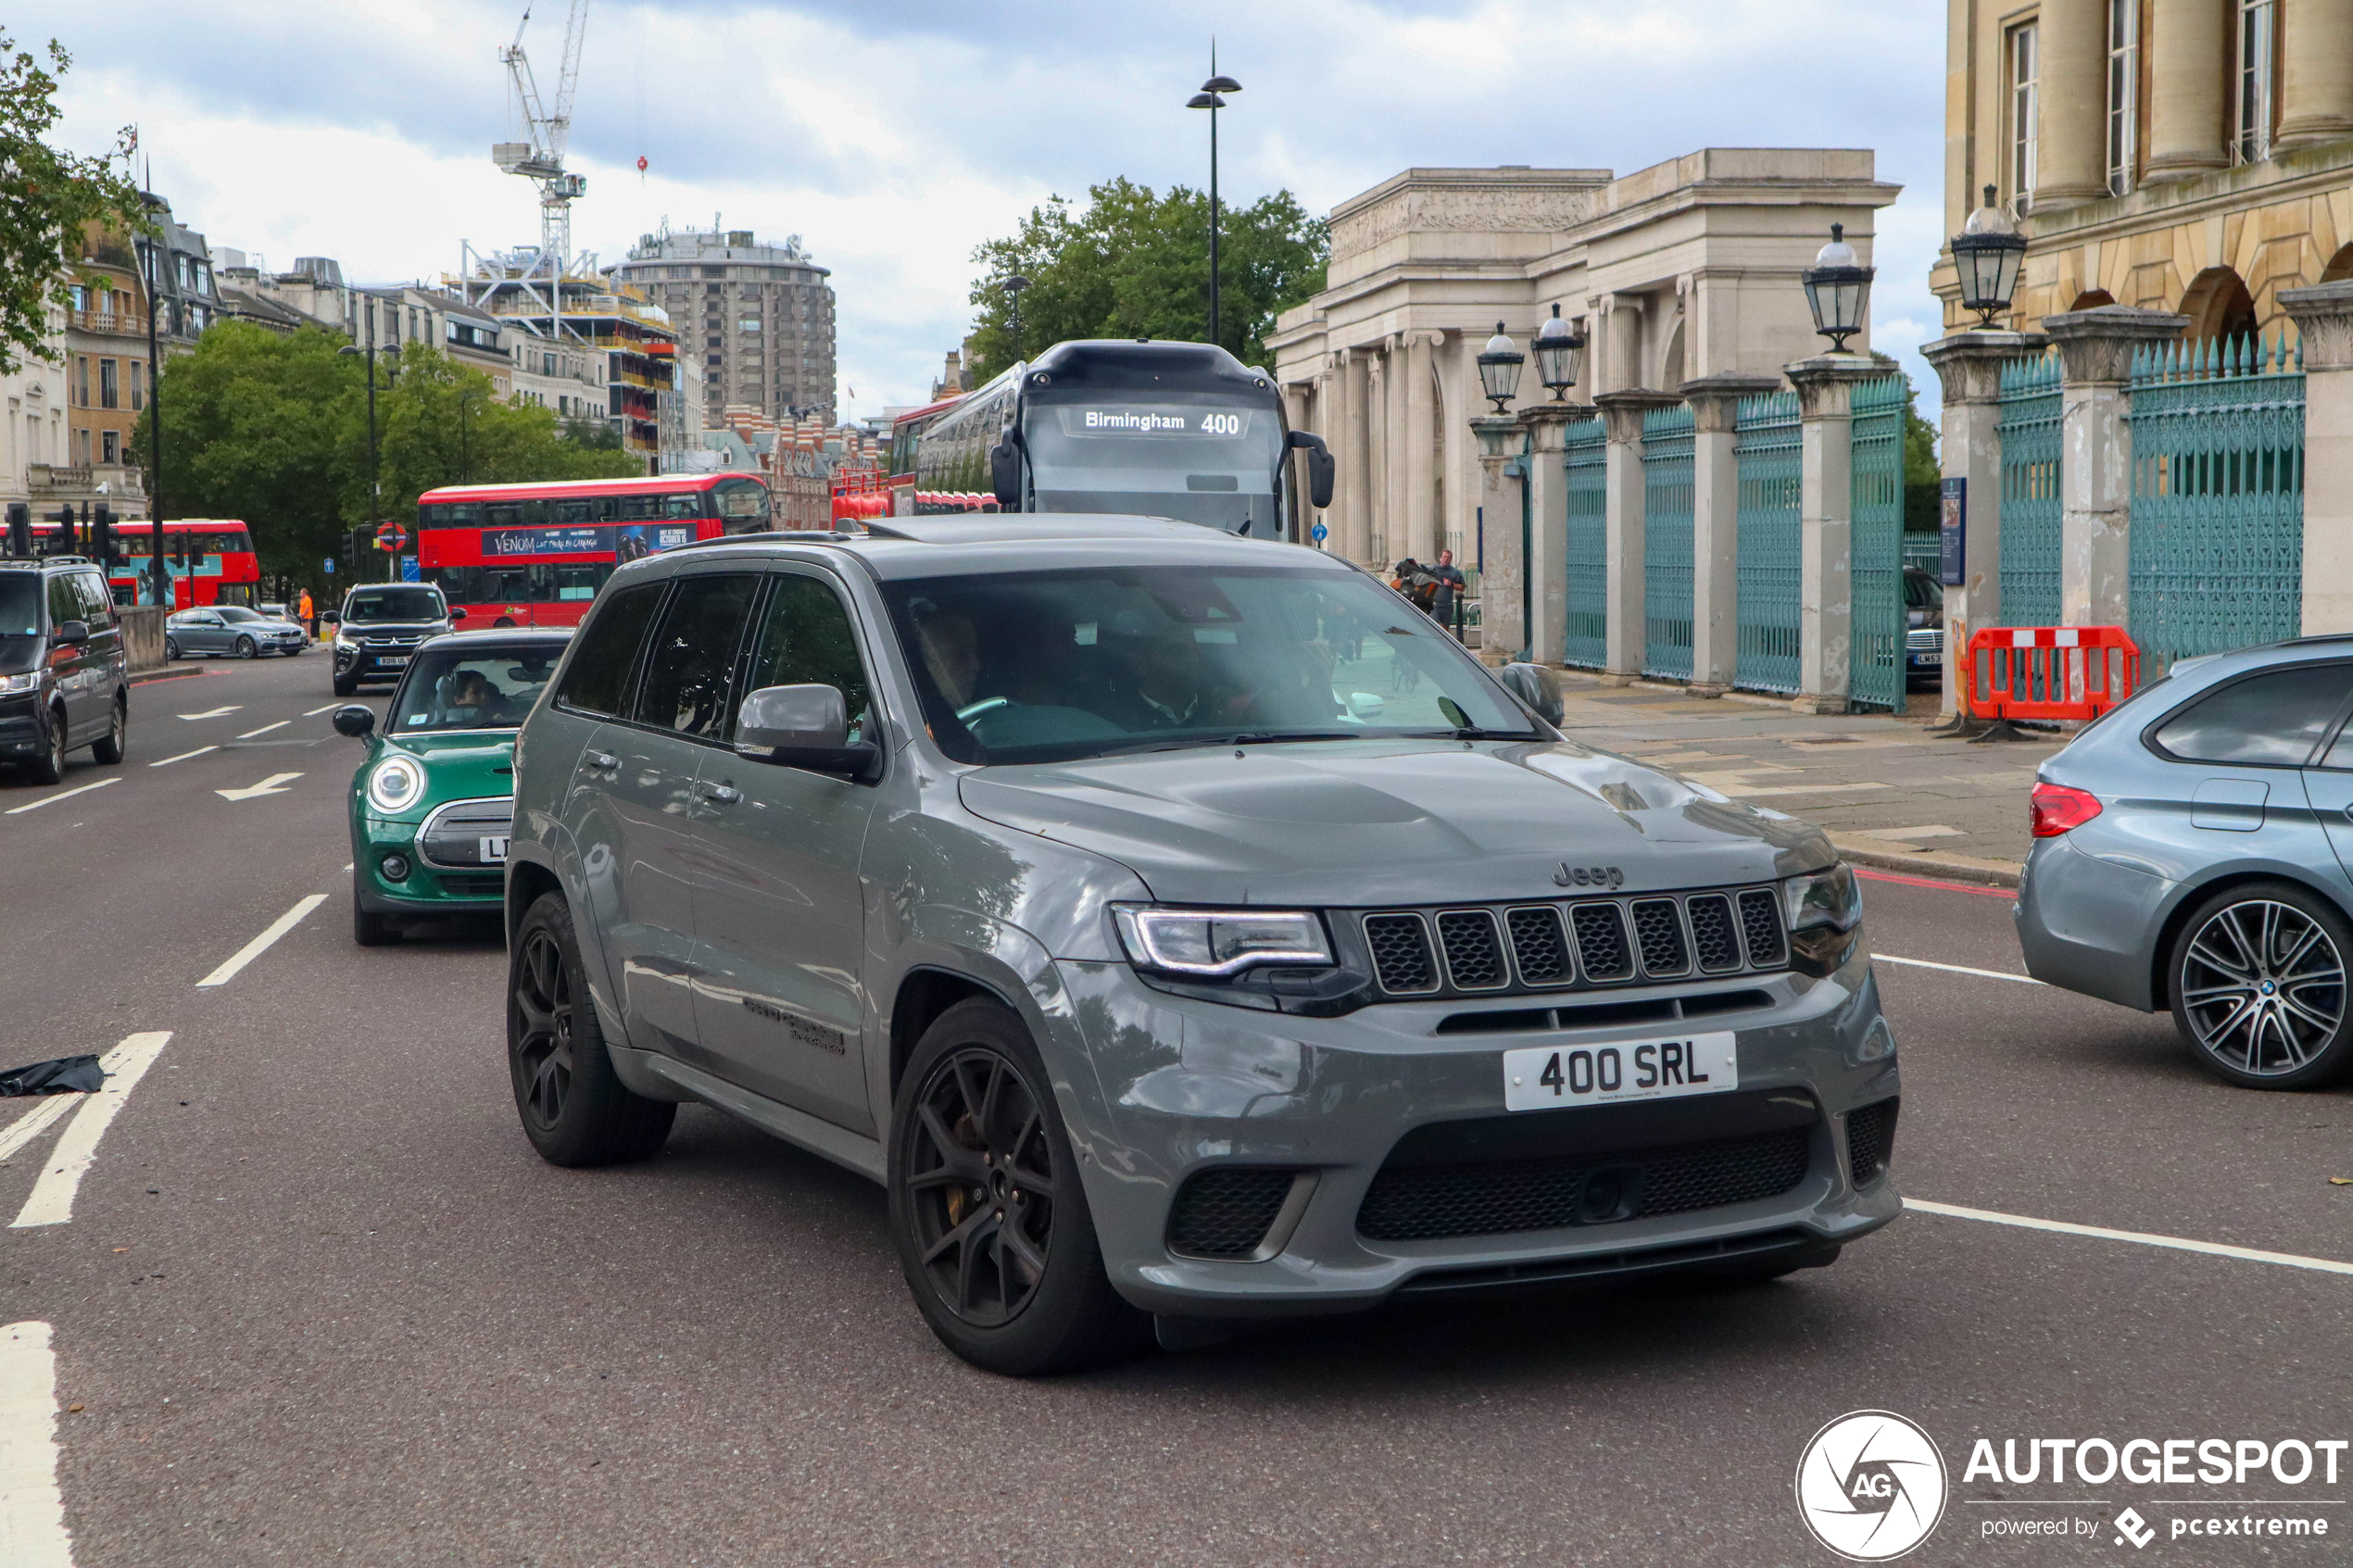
{"x":1831,"y":899}
{"x":395,"y":783}
{"x":1219,"y":942}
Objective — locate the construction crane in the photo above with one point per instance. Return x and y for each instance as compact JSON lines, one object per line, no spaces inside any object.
{"x":540,"y":156}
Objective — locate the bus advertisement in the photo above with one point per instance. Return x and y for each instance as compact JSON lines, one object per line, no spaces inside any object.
{"x":534,"y":554}
{"x":1173,"y":430}
{"x":210,"y":559}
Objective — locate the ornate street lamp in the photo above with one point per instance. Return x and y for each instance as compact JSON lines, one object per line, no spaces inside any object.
{"x":1988,"y":254}
{"x":1559,"y":347}
{"x":1499,"y":367}
{"x":1837,"y":290}
{"x":1209,"y":98}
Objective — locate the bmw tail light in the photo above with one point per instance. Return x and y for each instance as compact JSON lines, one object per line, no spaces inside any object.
{"x":2055,"y":809}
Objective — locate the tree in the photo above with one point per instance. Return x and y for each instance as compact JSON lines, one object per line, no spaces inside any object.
{"x":48,"y":199}
{"x":1132,"y":263}
{"x":1923,"y":476}
{"x":441,"y":423}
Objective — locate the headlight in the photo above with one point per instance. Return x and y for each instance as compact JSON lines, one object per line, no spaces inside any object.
{"x":24,"y":682}
{"x":395,"y":783}
{"x":1219,"y":942}
{"x":1831,"y":899}
{"x":343,"y":642}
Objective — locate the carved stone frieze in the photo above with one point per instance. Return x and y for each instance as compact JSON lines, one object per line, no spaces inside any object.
{"x":1459,"y":209}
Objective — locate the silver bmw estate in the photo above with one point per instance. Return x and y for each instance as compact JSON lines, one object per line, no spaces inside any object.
{"x":1179,"y":926}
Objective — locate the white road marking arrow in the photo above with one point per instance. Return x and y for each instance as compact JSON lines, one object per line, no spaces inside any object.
{"x":274,"y":785}
{"x":212,"y":712}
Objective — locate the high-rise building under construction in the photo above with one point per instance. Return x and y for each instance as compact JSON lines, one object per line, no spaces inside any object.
{"x":762,"y":314}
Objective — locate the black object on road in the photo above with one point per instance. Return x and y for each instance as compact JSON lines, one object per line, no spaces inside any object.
{"x":67,"y":1075}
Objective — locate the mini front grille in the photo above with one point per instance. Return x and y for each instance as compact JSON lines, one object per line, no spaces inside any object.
{"x":1761,"y":926}
{"x":1870,"y":1140}
{"x":1659,"y":928}
{"x":453,"y":834}
{"x":1602,"y":951}
{"x":1474,"y":954}
{"x":1713,"y":933}
{"x":1224,"y":1211}
{"x":1538,"y":945}
{"x":1401,"y":954}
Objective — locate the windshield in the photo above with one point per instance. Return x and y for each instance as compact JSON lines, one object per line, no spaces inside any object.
{"x":473,"y":688}
{"x":1051,"y":666}
{"x":1207,"y":460}
{"x":20,"y":605}
{"x":395,"y":603}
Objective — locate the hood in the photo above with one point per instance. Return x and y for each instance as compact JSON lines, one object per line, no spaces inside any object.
{"x":1355,"y":823}
{"x":461,"y":765}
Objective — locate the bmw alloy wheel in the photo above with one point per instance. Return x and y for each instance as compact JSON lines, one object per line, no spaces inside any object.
{"x":2262,"y":988}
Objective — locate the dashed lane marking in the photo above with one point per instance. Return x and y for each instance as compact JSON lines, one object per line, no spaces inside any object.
{"x":265,"y":729}
{"x":2143,"y":1238}
{"x":261,"y":944}
{"x":314,"y":712}
{"x":274,"y":785}
{"x":33,"y":1511}
{"x":61,"y":795}
{"x":214,"y":712}
{"x":183,"y":757}
{"x":52,"y":1199}
{"x":1957,"y":969}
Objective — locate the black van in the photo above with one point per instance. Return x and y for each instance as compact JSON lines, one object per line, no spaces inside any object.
{"x":63,"y":679}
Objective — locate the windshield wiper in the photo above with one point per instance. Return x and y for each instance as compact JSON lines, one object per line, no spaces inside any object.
{"x":1466,"y":734}
{"x":1239,"y":737}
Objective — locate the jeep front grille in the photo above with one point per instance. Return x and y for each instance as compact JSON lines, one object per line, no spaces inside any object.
{"x":1575,"y":943}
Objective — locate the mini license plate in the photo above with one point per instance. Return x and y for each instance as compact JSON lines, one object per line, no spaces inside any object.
{"x":392,"y":660}
{"x":1547,"y":1077}
{"x":494,"y":852}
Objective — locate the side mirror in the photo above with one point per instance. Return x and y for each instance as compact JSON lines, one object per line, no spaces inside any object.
{"x":1536,"y":687}
{"x":1323,"y":471}
{"x":355,"y":718}
{"x":457,"y":614}
{"x":1005,"y":476}
{"x":802,"y":727}
{"x":71,"y":633}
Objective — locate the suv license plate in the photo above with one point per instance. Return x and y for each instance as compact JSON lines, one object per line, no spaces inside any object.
{"x":1546,"y":1077}
{"x":494,"y":852}
{"x":392,"y":660}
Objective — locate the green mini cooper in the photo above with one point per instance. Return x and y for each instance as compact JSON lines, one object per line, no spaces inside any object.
{"x":432,"y":805}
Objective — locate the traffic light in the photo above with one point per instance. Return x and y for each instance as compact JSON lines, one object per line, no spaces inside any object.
{"x":64,"y":546}
{"x":187,"y":542}
{"x":102,"y":544}
{"x":19,"y":528}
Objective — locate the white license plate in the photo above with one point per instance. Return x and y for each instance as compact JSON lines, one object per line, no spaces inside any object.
{"x":392,"y":660}
{"x":1547,"y":1077}
{"x":494,"y":852}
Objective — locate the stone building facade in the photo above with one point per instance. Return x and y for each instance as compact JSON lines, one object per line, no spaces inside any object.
{"x":762,"y":314}
{"x":1682,"y":271}
{"x":2186,"y":156}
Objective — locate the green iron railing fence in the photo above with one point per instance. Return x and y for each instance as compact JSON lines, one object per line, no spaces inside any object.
{"x":1875,"y":662}
{"x":1587,"y":643}
{"x":1667,"y":542}
{"x":2217,"y":552}
{"x":2029,"y":432}
{"x":1768,"y":569}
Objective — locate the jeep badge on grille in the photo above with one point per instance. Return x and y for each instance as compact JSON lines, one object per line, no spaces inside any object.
{"x":1589,"y":876}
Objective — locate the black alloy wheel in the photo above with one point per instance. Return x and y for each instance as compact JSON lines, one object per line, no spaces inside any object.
{"x":171,"y":649}
{"x":109,"y":747}
{"x":574,"y":1108}
{"x":244,"y":647}
{"x":542,"y":1050}
{"x":48,"y":765}
{"x":2258,"y":987}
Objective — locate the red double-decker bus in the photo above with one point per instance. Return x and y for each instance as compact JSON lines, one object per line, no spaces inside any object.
{"x":534,"y":554}
{"x":210,"y":559}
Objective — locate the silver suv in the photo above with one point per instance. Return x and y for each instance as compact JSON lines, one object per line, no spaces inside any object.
{"x":1175,"y":924}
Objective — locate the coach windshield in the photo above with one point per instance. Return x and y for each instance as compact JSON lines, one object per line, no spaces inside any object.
{"x":1210,"y":459}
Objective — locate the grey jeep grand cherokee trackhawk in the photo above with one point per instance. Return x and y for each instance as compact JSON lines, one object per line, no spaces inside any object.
{"x":1177,"y":924}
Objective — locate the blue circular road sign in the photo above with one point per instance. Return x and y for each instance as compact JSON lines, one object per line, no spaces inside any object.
{"x":1319,"y":534}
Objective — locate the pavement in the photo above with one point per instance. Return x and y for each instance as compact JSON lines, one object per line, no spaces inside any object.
{"x":315,"y":1299}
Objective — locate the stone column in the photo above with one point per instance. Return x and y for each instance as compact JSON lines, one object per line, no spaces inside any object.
{"x":1503,"y":631}
{"x":1418,"y":471}
{"x":2323,"y":317}
{"x":1376,"y":458}
{"x":1623,"y":554}
{"x":1547,"y":425}
{"x":1716,"y":499}
{"x":2096,"y":468}
{"x":1352,"y":490}
{"x":2316,"y":87}
{"x":2072,"y":155}
{"x":2189,"y":71}
{"x":1969,"y":365}
{"x":1826,"y":523}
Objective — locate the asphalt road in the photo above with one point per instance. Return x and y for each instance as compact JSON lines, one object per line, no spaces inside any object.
{"x":317,"y":1301}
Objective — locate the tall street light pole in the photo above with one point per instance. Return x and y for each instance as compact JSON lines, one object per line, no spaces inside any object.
{"x":375,"y":484}
{"x":1013,"y":285}
{"x":1209,"y":98}
{"x":159,"y":574}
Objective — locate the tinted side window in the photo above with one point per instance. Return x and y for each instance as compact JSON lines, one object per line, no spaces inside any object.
{"x":64,"y":603}
{"x":97,"y":605}
{"x":806,"y":639}
{"x":2273,"y":720}
{"x":598,"y":680}
{"x":690,"y":678}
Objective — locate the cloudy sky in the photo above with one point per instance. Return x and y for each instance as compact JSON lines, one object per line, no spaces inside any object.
{"x":895,"y":137}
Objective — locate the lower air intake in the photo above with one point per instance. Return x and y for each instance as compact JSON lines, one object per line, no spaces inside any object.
{"x":1224,"y":1212}
{"x":1870,"y":1140}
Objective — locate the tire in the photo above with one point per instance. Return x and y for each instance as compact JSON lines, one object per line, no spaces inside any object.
{"x":48,"y":765}
{"x":2256,"y":976}
{"x":574,"y":1108}
{"x":170,"y":649}
{"x":246,"y":649}
{"x":369,"y":928}
{"x":109,"y":748}
{"x":1048,"y":1307}
{"x":346,"y":685}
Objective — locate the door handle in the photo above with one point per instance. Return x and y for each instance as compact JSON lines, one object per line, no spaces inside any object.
{"x":600,"y":761}
{"x":725,"y":794}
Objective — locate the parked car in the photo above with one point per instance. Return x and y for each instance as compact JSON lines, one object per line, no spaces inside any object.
{"x":63,"y":680}
{"x":230,"y":629}
{"x":1034,"y":867}
{"x":380,"y":628}
{"x":1925,"y":628}
{"x":2191,"y":853}
{"x":431,"y":802}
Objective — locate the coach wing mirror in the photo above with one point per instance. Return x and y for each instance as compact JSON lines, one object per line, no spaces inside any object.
{"x":1005,"y":476}
{"x":803,"y":727}
{"x":71,"y":633}
{"x":355,"y":719}
{"x":1322,"y":472}
{"x":1536,"y":687}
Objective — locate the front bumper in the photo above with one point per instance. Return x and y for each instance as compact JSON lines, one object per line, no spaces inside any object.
{"x":427,"y":889}
{"x":359,"y":664}
{"x":21,"y":723}
{"x":1186,"y":1087}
